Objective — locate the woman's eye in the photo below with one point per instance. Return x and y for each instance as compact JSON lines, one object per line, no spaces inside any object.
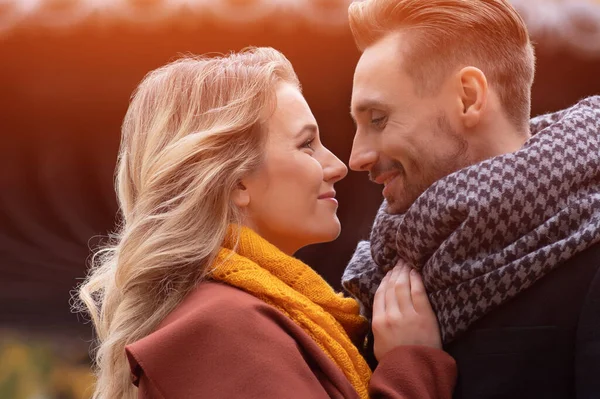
{"x":308,"y":144}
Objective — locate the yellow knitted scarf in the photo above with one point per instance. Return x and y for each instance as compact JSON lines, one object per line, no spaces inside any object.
{"x":291,"y":286}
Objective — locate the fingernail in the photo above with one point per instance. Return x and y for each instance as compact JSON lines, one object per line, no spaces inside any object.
{"x":414,"y":273}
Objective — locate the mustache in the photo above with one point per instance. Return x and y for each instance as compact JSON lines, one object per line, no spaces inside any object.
{"x":380,"y":168}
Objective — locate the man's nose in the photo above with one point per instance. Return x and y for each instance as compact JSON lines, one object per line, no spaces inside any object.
{"x":363,"y":155}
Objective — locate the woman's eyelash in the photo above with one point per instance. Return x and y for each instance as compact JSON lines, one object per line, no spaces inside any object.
{"x":308,"y":143}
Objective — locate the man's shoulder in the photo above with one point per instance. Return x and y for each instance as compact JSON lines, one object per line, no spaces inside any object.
{"x":567,"y":284}
{"x":532,"y":338}
{"x":560,"y":294}
{"x":586,"y":263}
{"x":589,"y":321}
{"x":554,"y":300}
{"x":571,"y":283}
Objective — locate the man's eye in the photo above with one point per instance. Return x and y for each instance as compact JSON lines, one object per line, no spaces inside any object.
{"x":379,"y":122}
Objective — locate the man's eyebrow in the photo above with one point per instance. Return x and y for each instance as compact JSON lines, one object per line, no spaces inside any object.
{"x":365,"y":105}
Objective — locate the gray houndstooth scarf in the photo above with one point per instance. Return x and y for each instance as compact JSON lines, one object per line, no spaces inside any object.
{"x":487,"y":232}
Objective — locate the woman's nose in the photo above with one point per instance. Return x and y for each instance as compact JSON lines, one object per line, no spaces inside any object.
{"x":334,"y":169}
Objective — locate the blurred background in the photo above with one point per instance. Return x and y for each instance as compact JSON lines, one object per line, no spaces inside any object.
{"x":67,"y":69}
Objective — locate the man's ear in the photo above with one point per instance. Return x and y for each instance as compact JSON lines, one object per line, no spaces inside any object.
{"x":473,"y":93}
{"x":241,"y":196}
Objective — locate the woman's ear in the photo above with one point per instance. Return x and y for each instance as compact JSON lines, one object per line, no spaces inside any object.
{"x":473,"y":95}
{"x":241,"y":196}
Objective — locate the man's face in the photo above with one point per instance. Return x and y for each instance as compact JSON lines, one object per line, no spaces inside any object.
{"x":404,"y":141}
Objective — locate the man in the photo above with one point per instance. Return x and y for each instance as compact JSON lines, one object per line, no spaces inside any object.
{"x":500,"y":214}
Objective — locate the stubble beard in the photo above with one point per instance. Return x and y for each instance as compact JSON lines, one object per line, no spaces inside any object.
{"x":407,"y":193}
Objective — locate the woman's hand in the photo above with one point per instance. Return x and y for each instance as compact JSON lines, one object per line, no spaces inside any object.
{"x":402,"y":314}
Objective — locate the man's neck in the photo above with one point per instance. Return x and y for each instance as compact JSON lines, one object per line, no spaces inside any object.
{"x":501,"y":137}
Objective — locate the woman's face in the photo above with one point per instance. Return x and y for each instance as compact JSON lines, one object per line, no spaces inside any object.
{"x":290,"y":200}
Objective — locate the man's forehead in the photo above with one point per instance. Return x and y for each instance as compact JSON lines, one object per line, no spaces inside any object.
{"x":370,"y":65}
{"x":373,"y":91}
{"x":378,"y":75}
{"x":385,"y":51}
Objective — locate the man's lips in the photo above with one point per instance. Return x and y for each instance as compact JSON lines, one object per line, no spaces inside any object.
{"x":386,"y":177}
{"x":388,"y":188}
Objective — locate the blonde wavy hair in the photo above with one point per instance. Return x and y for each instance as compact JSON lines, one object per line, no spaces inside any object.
{"x":193,"y":129}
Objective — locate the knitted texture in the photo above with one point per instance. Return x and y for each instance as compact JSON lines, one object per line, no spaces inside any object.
{"x":485,"y":233}
{"x":291,"y":286}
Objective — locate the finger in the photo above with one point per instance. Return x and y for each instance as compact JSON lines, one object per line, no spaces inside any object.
{"x":419,"y":294}
{"x":402,"y":290}
{"x":391,"y":303}
{"x":379,"y":300}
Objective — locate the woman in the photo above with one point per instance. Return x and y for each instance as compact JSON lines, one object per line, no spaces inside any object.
{"x":221,"y":178}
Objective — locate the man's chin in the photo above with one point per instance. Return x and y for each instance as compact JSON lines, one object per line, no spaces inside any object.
{"x":394,"y":207}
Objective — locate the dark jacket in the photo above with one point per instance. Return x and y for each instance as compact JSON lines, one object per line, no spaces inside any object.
{"x":222,"y":342}
{"x":545,"y":343}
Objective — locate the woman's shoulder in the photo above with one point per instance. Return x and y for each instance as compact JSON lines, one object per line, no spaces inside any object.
{"x":212,"y":302}
{"x":211,"y":311}
{"x":216,"y":327}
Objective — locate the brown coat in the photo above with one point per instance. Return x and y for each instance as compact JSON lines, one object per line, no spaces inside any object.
{"x":222,"y":342}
